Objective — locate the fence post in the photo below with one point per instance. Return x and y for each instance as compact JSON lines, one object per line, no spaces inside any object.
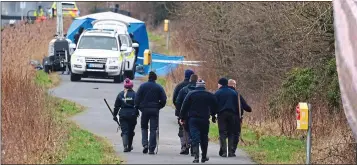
{"x":166,"y":29}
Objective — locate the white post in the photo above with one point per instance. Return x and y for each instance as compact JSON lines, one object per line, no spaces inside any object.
{"x":167,"y":40}
{"x":22,"y":7}
{"x":59,"y":19}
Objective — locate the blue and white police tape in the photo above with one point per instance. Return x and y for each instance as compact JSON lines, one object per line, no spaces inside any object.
{"x":191,"y":63}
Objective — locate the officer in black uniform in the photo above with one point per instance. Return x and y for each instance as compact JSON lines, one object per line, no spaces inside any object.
{"x":177,"y":89}
{"x":184,"y":132}
{"x":150,"y":98}
{"x":127,"y":114}
{"x":243,"y":107}
{"x":227,"y":112}
{"x":197,"y":107}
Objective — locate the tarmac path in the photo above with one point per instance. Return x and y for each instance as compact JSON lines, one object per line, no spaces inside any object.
{"x":98,"y":120}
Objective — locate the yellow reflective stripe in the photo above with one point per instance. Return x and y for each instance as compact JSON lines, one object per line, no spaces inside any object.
{"x":132,"y":54}
{"x":54,"y":5}
{"x":121,"y":56}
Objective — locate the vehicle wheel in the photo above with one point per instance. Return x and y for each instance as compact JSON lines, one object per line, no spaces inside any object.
{"x":118,"y":79}
{"x":75,"y":77}
{"x":46,"y":68}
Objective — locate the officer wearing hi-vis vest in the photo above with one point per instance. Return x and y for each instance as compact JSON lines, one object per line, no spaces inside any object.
{"x":39,"y":14}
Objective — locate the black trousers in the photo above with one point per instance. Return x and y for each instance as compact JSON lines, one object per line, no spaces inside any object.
{"x":238,"y":130}
{"x":127,"y":125}
{"x":199,"y":129}
{"x":228,"y":128}
{"x":149,"y":115}
{"x":227,"y":124}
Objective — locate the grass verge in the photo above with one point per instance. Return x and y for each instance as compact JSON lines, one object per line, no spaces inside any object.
{"x":158,"y":43}
{"x":267,"y":149}
{"x":81,"y":146}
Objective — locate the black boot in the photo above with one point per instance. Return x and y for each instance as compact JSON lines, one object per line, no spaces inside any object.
{"x":231,"y":148}
{"x":144,"y":137}
{"x":223,"y":149}
{"x":196,"y":151}
{"x":184,"y":150}
{"x":125,"y":143}
{"x":130,"y":144}
{"x":204,"y":152}
{"x":145,"y":150}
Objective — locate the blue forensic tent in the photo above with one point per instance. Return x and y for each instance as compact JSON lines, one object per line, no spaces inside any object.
{"x":136,"y":27}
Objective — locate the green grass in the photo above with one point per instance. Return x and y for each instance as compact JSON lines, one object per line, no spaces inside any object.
{"x":154,"y":37}
{"x":159,"y":42}
{"x":161,"y":81}
{"x":81,"y":146}
{"x":68,"y":108}
{"x":42,"y":79}
{"x":46,"y":80}
{"x":267,"y":149}
{"x":85,"y":148}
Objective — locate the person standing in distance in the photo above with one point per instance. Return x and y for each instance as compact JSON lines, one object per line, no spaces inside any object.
{"x":227,"y":112}
{"x":149,"y":99}
{"x":78,"y":34}
{"x":184,"y":133}
{"x":239,"y":119}
{"x":197,"y":107}
{"x":127,"y":114}
{"x":177,"y":89}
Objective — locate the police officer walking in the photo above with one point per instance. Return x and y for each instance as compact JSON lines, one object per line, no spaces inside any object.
{"x":149,"y":99}
{"x":243,"y":107}
{"x":184,"y":133}
{"x":227,"y":112}
{"x":177,"y":89}
{"x":127,"y":114}
{"x":197,"y":107}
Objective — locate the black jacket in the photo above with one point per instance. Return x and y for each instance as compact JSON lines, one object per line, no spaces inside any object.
{"x":125,"y":104}
{"x":244,"y":106}
{"x":199,"y":103}
{"x":227,"y":100}
{"x":178,"y":88}
{"x":181,"y":96}
{"x":150,"y":95}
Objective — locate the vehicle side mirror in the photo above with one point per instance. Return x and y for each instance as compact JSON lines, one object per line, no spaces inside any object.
{"x":135,"y":45}
{"x":123,"y":48}
{"x":72,"y":46}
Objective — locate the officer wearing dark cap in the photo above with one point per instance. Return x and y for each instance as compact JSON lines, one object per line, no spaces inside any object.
{"x":149,"y":99}
{"x":197,"y":108}
{"x":227,"y":111}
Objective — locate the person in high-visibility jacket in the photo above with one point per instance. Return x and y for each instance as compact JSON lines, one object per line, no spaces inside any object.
{"x":39,"y":14}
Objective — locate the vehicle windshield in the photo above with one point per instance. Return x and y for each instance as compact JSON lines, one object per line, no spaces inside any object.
{"x":124,"y":39}
{"x":68,"y":6}
{"x":98,"y":42}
